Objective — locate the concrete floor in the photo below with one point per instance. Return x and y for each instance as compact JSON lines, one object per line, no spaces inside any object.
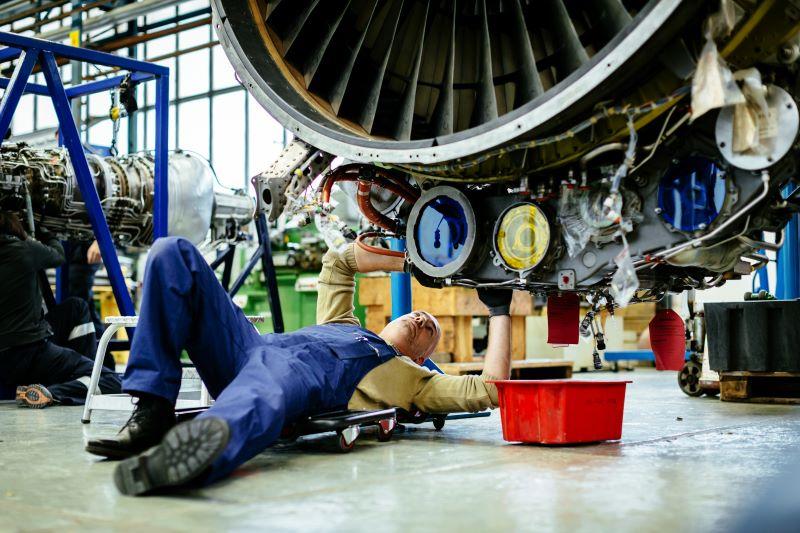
{"x":692,"y":473}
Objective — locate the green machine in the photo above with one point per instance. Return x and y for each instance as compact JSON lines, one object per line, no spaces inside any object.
{"x":298,"y":259}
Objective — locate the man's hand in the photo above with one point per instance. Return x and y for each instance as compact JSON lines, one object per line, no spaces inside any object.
{"x":42,"y":234}
{"x":497,"y":300}
{"x":367,"y":261}
{"x":93,"y":256}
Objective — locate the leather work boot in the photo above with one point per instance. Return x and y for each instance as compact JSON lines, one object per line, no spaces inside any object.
{"x":34,"y":396}
{"x":152,"y":418}
{"x":183,"y":457}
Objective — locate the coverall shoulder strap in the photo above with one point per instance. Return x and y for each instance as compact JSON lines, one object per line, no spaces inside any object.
{"x":350,"y":342}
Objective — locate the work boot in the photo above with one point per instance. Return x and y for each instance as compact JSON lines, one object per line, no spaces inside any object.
{"x":152,"y":417}
{"x":34,"y":396}
{"x":183,"y":457}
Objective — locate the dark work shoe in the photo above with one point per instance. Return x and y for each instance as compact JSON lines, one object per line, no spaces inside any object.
{"x":185,"y":454}
{"x":152,"y":418}
{"x":34,"y":396}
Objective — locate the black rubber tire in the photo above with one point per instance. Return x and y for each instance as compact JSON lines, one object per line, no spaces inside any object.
{"x":438,"y":423}
{"x":689,"y":378}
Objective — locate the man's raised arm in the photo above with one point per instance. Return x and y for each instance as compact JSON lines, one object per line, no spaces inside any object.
{"x":497,"y":362}
{"x":46,"y":252}
{"x":336,"y":289}
{"x":373,"y":262}
{"x":442,"y":393}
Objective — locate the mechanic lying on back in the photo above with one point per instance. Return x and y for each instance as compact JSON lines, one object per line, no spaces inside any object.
{"x":402,"y":382}
{"x":263,"y":382}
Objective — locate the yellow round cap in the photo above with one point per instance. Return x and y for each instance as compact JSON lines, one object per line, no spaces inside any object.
{"x":523,"y":237}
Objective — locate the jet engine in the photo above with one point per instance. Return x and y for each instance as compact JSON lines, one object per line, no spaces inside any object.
{"x":40,"y":185}
{"x":620,"y":148}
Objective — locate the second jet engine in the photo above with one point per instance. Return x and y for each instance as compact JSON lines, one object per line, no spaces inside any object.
{"x":40,"y":185}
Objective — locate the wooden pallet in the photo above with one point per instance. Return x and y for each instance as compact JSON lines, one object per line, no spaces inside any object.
{"x":760,"y":387}
{"x":539,"y":369}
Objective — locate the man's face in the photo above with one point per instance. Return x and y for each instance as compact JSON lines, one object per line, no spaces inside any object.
{"x":415,"y":334}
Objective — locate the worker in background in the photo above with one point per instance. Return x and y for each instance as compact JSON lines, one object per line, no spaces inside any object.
{"x":46,"y":355}
{"x":84,"y":262}
{"x":262,"y":383}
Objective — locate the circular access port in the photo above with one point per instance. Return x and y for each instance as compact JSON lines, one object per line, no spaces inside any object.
{"x":522,"y":237}
{"x":441,"y":232}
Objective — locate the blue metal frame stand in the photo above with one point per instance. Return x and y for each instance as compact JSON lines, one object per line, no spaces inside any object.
{"x":30,"y":52}
{"x":264,"y":254}
{"x":788,"y":263}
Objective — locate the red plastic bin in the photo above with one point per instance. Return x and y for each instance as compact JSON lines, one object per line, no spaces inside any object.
{"x":561,"y":411}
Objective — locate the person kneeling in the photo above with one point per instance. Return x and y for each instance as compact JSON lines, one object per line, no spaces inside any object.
{"x":47,"y":357}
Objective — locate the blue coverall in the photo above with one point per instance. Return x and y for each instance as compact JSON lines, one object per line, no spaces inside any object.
{"x":260,"y":382}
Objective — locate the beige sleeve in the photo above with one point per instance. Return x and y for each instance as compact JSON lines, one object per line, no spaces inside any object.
{"x":336,"y":288}
{"x":402,"y":383}
{"x":443,"y":393}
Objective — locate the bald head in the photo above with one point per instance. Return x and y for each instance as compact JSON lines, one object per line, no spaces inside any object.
{"x":415,"y":334}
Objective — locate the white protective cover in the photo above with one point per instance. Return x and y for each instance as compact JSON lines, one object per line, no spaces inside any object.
{"x":191,"y":196}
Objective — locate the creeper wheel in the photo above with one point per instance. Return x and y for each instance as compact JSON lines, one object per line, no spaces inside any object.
{"x":689,"y":378}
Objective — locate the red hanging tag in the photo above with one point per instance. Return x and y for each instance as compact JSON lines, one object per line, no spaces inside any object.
{"x":668,"y":340}
{"x":563,"y":316}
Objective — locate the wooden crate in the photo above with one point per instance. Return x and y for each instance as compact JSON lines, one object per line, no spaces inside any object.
{"x":637,"y":316}
{"x":454,"y":307}
{"x":760,"y":387}
{"x":450,"y":301}
{"x":538,"y":369}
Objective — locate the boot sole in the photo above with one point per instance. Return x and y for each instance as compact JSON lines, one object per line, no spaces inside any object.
{"x":33,"y":397}
{"x":186,"y":452}
{"x":96,"y":448}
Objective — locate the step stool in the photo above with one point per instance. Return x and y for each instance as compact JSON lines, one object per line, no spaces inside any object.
{"x":95,"y":400}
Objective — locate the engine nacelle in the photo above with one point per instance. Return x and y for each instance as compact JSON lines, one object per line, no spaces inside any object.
{"x":554,"y":144}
